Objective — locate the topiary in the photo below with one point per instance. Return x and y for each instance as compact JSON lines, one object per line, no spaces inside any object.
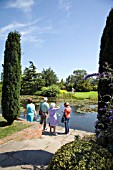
{"x":81,"y":155}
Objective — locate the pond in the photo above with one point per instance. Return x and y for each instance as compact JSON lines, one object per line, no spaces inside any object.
{"x":79,"y":121}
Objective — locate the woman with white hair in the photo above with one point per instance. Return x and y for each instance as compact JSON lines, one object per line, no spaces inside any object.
{"x":53,"y":117}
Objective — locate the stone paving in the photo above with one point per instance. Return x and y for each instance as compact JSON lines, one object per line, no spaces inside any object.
{"x":34,"y":153}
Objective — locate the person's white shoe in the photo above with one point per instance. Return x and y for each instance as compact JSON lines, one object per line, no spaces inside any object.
{"x":55,"y":134}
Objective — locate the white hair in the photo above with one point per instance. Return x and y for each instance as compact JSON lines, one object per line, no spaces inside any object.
{"x":52,"y":105}
{"x":45,"y":99}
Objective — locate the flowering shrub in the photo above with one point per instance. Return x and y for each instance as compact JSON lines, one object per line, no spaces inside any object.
{"x":63,"y":91}
{"x":104,"y":124}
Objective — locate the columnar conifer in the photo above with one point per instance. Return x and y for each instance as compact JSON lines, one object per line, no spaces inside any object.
{"x":11,"y":77}
{"x":104,"y":125}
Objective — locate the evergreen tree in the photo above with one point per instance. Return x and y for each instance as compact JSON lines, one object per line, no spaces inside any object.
{"x":50,"y":77}
{"x":31,"y":80}
{"x":104,"y":125}
{"x":11,"y":78}
{"x":106,"y":47}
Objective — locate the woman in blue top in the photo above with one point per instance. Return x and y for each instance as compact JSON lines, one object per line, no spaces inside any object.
{"x":30,"y":110}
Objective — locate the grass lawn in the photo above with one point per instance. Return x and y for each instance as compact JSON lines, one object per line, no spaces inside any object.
{"x":86,"y":95}
{"x":92,"y":95}
{"x":6,"y":130}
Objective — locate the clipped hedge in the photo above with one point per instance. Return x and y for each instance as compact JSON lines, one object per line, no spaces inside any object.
{"x":81,"y":155}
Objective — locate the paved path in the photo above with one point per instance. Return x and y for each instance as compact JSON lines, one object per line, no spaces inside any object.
{"x":34,"y":154}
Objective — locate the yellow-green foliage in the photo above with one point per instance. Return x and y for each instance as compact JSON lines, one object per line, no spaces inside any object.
{"x":63,"y":91}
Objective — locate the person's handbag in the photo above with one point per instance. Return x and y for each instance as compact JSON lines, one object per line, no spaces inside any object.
{"x":63,"y":119}
{"x":43,"y":115}
{"x":40,"y":112}
{"x":35,"y":116}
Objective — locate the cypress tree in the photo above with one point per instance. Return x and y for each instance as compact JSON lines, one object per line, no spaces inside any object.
{"x":104,"y":125}
{"x":106,"y":47}
{"x":11,"y":78}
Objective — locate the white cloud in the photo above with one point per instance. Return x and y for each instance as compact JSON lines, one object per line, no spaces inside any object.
{"x":32,"y":38}
{"x":25,"y":5}
{"x":17,"y":25}
{"x":29,"y":31}
{"x":65,"y":5}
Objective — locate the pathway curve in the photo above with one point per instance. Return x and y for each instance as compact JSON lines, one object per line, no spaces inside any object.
{"x":35,"y":153}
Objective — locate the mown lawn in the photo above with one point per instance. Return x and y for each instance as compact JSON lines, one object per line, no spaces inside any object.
{"x":92,"y":95}
{"x":86,"y":95}
{"x":6,"y":130}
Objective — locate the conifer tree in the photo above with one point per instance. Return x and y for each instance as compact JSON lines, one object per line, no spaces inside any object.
{"x":104,"y":125}
{"x":11,"y":78}
{"x":31,"y":80}
{"x":106,"y":46}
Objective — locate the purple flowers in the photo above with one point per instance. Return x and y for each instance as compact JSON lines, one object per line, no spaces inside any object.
{"x":102,"y":109}
{"x":99,"y":135}
{"x":105,"y":74}
{"x":111,"y":112}
{"x":111,"y":117}
{"x":91,"y":75}
{"x":102,"y":75}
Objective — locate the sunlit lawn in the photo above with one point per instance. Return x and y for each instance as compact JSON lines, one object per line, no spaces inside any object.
{"x":86,"y":95}
{"x":6,"y":130}
{"x":92,"y":95}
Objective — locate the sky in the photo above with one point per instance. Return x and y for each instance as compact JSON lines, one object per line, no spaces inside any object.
{"x":63,"y":35}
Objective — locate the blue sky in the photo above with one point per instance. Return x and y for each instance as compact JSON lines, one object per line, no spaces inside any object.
{"x":62,"y":34}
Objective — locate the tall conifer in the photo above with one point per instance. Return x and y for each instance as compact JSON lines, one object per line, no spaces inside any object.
{"x":106,"y":47}
{"x":11,"y":78}
{"x":104,"y":125}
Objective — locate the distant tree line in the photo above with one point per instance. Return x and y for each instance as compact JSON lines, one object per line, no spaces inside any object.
{"x":33,"y":81}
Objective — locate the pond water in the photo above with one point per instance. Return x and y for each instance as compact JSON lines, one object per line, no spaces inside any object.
{"x":79,"y":121}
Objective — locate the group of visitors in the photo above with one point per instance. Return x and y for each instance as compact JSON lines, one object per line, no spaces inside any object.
{"x":48,"y":111}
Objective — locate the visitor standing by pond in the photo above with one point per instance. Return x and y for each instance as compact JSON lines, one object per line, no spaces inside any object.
{"x":67,"y":112}
{"x":53,"y":120}
{"x":30,"y":110}
{"x":43,"y":112}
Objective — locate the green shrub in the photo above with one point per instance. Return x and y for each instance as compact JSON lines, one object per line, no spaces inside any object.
{"x":38,"y":93}
{"x":50,"y":91}
{"x":81,"y":155}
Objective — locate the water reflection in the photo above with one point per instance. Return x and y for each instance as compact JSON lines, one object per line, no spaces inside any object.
{"x":79,"y":121}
